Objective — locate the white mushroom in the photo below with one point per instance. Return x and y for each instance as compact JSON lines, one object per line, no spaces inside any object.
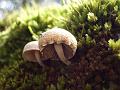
{"x":31,"y":52}
{"x":60,"y":43}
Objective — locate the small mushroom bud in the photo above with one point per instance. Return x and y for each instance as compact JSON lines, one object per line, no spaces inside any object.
{"x":57,"y":44}
{"x":31,"y":52}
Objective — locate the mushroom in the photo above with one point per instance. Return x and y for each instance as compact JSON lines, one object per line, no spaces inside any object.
{"x":31,"y":52}
{"x":57,"y":44}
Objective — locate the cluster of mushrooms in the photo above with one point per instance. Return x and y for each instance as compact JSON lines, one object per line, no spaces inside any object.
{"x":54,"y":44}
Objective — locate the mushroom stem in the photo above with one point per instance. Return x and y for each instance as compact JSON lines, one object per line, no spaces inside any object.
{"x":60,"y":53}
{"x":37,"y":55}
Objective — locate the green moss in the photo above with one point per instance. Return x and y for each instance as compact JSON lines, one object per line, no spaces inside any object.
{"x":93,"y":23}
{"x":26,"y":26}
{"x":51,"y":87}
{"x":22,"y":27}
{"x":91,"y":18}
{"x":115,"y":46}
{"x":15,"y":76}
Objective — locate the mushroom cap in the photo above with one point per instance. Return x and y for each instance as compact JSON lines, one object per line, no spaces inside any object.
{"x":29,"y":50}
{"x":58,"y":36}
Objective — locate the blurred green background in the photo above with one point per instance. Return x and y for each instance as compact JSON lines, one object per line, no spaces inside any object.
{"x":7,"y":6}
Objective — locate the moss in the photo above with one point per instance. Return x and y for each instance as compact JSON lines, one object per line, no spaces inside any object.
{"x":115,"y":46}
{"x":93,"y":18}
{"x":27,"y":26}
{"x":94,"y":66}
{"x":15,"y":76}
